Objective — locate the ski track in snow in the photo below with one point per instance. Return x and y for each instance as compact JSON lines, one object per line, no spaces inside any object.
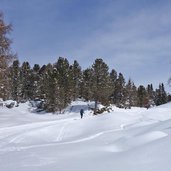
{"x":141,"y":139}
{"x":62,"y":130}
{"x":59,"y":139}
{"x":14,"y":134}
{"x":33,"y":127}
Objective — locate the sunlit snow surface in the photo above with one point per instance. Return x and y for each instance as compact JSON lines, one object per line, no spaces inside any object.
{"x":135,"y":139}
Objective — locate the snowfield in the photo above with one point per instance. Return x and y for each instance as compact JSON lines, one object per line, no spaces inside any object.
{"x":135,"y":139}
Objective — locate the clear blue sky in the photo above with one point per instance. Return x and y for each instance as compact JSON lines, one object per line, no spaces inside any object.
{"x":132,"y":36}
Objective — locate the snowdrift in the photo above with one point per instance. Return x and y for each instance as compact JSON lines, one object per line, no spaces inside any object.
{"x":122,"y":140}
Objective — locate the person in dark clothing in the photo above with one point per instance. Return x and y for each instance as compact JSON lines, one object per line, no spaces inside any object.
{"x":81,"y":113}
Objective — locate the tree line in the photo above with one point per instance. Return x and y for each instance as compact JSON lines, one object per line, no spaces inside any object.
{"x":60,"y":83}
{"x":57,"y":84}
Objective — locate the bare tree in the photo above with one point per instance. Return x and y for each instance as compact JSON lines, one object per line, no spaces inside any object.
{"x":6,"y":57}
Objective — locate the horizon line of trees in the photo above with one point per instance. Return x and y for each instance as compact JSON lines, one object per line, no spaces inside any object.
{"x":60,"y":83}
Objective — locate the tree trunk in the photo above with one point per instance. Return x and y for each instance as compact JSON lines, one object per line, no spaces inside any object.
{"x":95,"y":107}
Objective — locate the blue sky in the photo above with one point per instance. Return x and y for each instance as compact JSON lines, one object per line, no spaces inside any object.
{"x":132,"y":36}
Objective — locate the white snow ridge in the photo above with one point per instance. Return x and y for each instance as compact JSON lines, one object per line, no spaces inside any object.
{"x":135,"y":139}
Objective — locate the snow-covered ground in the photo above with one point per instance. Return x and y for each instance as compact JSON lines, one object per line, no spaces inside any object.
{"x":135,"y":139}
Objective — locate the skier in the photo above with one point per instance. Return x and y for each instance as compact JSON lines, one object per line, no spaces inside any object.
{"x":81,"y":113}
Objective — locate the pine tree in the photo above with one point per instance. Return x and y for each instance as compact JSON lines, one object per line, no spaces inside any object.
{"x":26,"y":82}
{"x":151,"y":94}
{"x":163,"y":93}
{"x":42,"y":83}
{"x":49,"y":88}
{"x":86,"y":85}
{"x":134,"y":95}
{"x":35,"y":82}
{"x":168,"y":98}
{"x":131,"y":94}
{"x":100,"y":83}
{"x":142,"y":96}
{"x":119,"y":94}
{"x":54,"y":100}
{"x":64,"y":82}
{"x":161,"y":96}
{"x":76,"y":74}
{"x":113,"y":78}
{"x":15,"y":80}
{"x":158,"y":97}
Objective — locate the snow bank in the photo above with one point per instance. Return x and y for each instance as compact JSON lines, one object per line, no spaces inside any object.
{"x":132,"y":139}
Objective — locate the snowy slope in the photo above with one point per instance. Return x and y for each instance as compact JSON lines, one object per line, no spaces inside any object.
{"x":123,"y":140}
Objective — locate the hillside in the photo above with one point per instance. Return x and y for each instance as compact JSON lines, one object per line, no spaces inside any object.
{"x":122,"y":140}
